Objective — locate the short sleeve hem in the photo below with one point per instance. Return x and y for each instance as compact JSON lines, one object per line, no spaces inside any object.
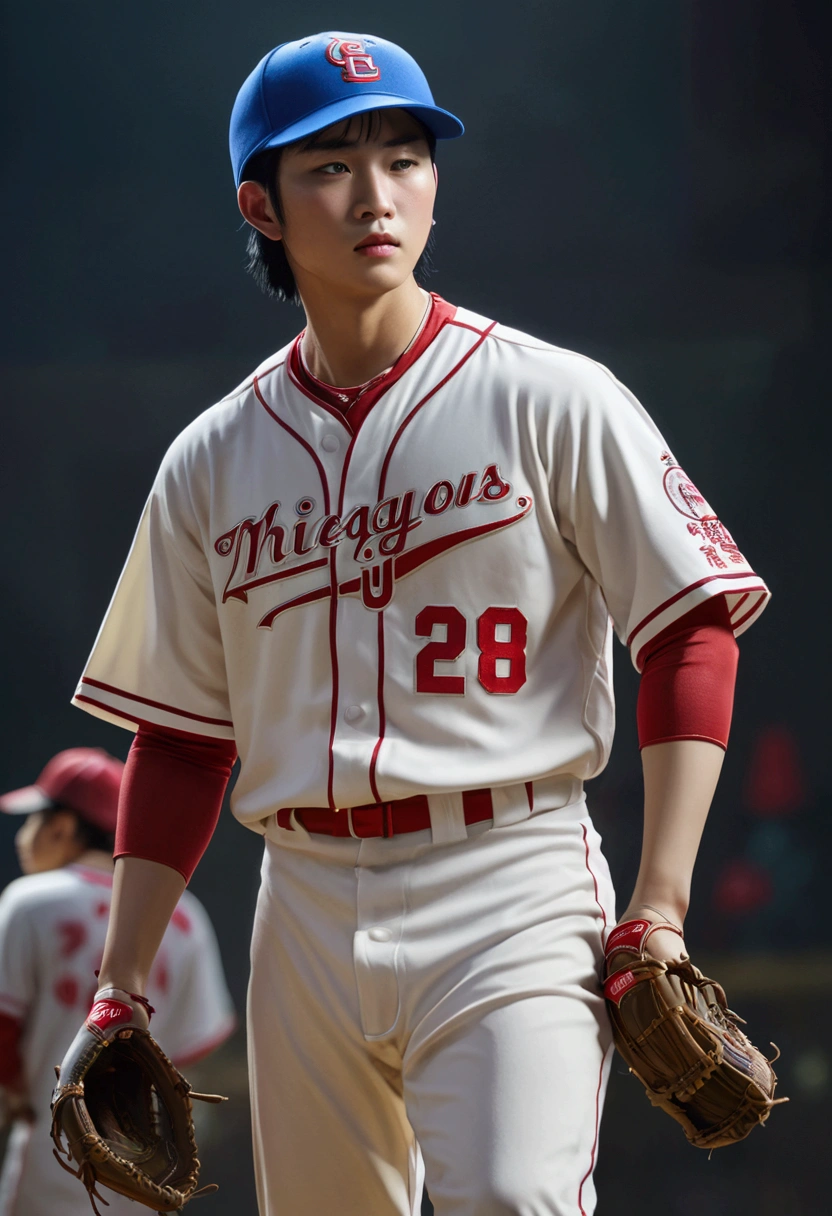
{"x":745,"y":593}
{"x":129,"y":710}
{"x":203,"y":1047}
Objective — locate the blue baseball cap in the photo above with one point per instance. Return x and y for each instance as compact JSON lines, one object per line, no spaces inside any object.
{"x":301,"y":87}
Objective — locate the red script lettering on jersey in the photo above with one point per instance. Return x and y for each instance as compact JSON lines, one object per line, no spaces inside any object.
{"x":379,"y":534}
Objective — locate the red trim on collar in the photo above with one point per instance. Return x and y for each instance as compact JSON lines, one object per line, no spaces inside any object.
{"x":354,"y":404}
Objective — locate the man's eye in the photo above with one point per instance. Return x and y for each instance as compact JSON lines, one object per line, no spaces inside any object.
{"x":335,"y":167}
{"x":403,"y":163}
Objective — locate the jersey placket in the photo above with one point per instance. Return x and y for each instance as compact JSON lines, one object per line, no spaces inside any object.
{"x":356,"y":635}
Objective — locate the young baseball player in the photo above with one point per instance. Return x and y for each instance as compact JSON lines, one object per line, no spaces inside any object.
{"x":387,"y":570}
{"x":53,"y":923}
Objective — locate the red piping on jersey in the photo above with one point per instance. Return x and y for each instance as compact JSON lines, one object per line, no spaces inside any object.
{"x":382,"y":716}
{"x":333,"y":653}
{"x":130,"y":696}
{"x":595,"y":1138}
{"x":693,"y":586}
{"x":483,"y":335}
{"x":465,"y":325}
{"x":440,"y":315}
{"x":750,"y":613}
{"x":739,"y":603}
{"x":592,"y":876}
{"x":353,"y":414}
{"x":330,"y":409}
{"x":603,"y":1060}
{"x":295,"y":435}
{"x":332,"y":589}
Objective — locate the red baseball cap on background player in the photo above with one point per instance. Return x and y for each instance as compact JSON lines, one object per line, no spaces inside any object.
{"x":301,"y":87}
{"x":84,"y":780}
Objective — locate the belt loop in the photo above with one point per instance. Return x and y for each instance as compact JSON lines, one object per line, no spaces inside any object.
{"x":447,"y":818}
{"x":511,"y":804}
{"x":296,"y":824}
{"x":387,"y":820}
{"x":348,"y":813}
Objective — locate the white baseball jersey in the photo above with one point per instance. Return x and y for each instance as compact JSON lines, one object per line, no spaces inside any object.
{"x":423,"y":605}
{"x":52,"y":930}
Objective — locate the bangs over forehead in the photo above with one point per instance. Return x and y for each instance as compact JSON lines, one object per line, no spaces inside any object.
{"x":363,"y":128}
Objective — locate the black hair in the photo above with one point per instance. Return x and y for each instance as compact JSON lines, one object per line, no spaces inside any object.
{"x":88,"y":835}
{"x":266,"y":260}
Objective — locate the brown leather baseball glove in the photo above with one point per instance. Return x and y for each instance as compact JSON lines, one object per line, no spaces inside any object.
{"x":124,"y":1112}
{"x":678,"y":1036}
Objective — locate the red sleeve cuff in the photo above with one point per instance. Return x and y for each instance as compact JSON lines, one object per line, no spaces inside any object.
{"x":171,"y":796}
{"x":688,"y":678}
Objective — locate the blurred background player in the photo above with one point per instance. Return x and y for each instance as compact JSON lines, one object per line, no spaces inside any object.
{"x":53,"y":922}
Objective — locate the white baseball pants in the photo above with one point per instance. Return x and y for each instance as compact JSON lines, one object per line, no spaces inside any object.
{"x":409,"y":996}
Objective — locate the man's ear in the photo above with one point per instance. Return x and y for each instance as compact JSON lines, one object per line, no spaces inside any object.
{"x":256,"y":209}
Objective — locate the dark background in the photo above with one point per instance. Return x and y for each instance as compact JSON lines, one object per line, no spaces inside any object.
{"x":646,"y":183}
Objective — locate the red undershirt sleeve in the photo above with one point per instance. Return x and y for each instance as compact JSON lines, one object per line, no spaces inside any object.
{"x":11,"y":1065}
{"x":688,"y":677}
{"x":171,"y":796}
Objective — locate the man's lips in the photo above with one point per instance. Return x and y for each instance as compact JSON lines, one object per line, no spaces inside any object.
{"x":377,"y":245}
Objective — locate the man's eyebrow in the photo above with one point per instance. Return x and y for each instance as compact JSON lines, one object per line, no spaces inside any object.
{"x":336,"y":145}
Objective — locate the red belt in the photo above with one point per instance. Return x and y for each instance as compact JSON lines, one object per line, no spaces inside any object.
{"x":382,"y":818}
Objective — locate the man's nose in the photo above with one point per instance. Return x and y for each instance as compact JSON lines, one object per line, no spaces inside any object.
{"x":374,"y":197}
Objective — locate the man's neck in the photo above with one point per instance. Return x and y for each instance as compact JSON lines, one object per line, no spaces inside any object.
{"x":348,"y":342}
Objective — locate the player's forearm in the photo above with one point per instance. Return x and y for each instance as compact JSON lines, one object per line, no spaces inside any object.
{"x":145,"y":894}
{"x":679,"y":783}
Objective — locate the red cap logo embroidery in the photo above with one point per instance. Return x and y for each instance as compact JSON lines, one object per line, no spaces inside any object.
{"x":355,"y":63}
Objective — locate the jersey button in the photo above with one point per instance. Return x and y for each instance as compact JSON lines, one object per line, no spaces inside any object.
{"x":330,"y":443}
{"x":353,"y":713}
{"x":379,"y":934}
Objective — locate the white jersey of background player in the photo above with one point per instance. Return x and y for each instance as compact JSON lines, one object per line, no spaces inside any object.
{"x":52,"y":928}
{"x":398,"y":599}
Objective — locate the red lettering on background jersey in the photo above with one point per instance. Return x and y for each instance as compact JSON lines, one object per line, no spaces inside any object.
{"x":65,"y":990}
{"x":355,"y":62}
{"x":161,"y":975}
{"x":181,"y":920}
{"x":73,"y":934}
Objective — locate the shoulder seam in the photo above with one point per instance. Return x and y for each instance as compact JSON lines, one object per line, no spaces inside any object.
{"x":549,"y":348}
{"x":248,"y":384}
